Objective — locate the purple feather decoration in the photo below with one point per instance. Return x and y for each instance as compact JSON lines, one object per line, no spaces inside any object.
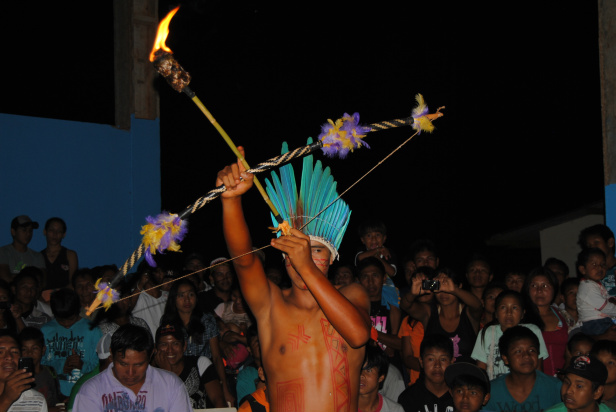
{"x":163,"y":232}
{"x":343,"y":136}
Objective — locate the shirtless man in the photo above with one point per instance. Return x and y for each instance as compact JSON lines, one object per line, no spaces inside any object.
{"x":311,"y":335}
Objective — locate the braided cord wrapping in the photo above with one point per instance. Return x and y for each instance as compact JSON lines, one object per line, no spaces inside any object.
{"x":390,"y":124}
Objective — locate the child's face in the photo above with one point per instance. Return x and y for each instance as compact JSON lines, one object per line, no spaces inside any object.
{"x":515,"y":281}
{"x":469,"y":398}
{"x":32,"y":349}
{"x":598,"y":242}
{"x":488,"y":302}
{"x":371,"y":279}
{"x":434,"y":362}
{"x":509,"y":312}
{"x":478,"y":274}
{"x":594,"y":268}
{"x":344,"y":276}
{"x":373,"y":240}
{"x":581,"y":348}
{"x":577,"y":393}
{"x":369,"y":381}
{"x":570,"y":298}
{"x":522,"y":356}
{"x":609,"y":361}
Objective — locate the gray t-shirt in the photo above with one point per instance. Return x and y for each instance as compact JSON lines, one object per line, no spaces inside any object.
{"x":17,"y":260}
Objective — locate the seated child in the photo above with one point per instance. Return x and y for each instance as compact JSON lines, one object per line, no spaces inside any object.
{"x":509,"y":311}
{"x":46,"y":379}
{"x":579,"y":344}
{"x":431,"y":393}
{"x":371,"y":380}
{"x":583,"y":387}
{"x":257,"y":401}
{"x":469,"y":387}
{"x":569,"y":290}
{"x":605,"y":351}
{"x":524,"y":388}
{"x":595,"y":311}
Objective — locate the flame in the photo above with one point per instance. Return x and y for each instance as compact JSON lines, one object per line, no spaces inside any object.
{"x":161,"y":35}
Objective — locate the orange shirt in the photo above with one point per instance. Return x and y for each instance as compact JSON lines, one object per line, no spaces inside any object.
{"x":260,"y":397}
{"x":416,"y":332}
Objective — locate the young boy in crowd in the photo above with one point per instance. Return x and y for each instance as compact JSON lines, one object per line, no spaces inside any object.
{"x":431,"y":393}
{"x":524,"y":388}
{"x":478,"y":275}
{"x":583,"y":387}
{"x":579,"y":344}
{"x":373,"y":374}
{"x":469,"y":387}
{"x":601,"y":237}
{"x":595,"y":310}
{"x":514,"y":279}
{"x":373,"y":235}
{"x":605,"y":351}
{"x":46,"y":380}
{"x":71,"y":343}
{"x":569,"y":290}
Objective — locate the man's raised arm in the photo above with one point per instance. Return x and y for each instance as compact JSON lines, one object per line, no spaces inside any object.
{"x":249,"y":269}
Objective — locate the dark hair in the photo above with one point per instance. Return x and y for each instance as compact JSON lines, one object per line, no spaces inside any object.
{"x":579,"y":338}
{"x":436,"y":341}
{"x":194,"y":328}
{"x":371,"y":225}
{"x":82,"y":273}
{"x":131,"y":337}
{"x":64,"y":303}
{"x":98,"y":271}
{"x":371,"y":261}
{"x":554,"y":261}
{"x":175,"y":329}
{"x":506,"y":293}
{"x":603,"y":345}
{"x":9,"y":320}
{"x":29,"y":272}
{"x":427,"y":271}
{"x":585,"y":254}
{"x":568,"y":284}
{"x":541,"y":271}
{"x":31,"y":333}
{"x":10,"y":334}
{"x":595,"y":230}
{"x":492,"y":286}
{"x":515,"y":334}
{"x":470,"y":381}
{"x":421,"y":245}
{"x":478,"y":257}
{"x":56,"y":219}
{"x":376,"y":358}
{"x":449,"y":273}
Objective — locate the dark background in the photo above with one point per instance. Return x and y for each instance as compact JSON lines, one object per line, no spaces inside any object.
{"x":520,"y":140}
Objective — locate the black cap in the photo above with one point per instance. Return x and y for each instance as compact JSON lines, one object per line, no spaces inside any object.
{"x":588,"y":367}
{"x":468,"y":369}
{"x":23,"y":220}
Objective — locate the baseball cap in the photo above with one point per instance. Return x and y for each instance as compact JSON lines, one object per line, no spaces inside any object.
{"x":103,"y":346}
{"x":588,"y":367}
{"x":466,"y":369}
{"x":173,"y":329}
{"x":23,"y":220}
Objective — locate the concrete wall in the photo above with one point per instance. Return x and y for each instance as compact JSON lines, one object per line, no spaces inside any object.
{"x":102,"y":181}
{"x":560,"y":241}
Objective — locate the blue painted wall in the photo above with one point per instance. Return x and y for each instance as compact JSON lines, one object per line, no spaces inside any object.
{"x":610,"y":206}
{"x":102,"y":181}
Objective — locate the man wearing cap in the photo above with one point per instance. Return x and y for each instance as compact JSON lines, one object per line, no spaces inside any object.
{"x":583,"y":386}
{"x":17,"y":255}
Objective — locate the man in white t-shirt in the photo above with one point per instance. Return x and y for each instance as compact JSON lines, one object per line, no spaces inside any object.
{"x":16,"y":393}
{"x":150,"y":305}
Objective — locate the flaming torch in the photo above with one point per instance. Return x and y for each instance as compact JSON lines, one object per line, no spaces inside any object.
{"x":178,"y":78}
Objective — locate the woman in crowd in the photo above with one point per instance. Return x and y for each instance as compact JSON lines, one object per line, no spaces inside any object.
{"x":541,"y":287}
{"x":200,"y":328}
{"x":60,"y":262}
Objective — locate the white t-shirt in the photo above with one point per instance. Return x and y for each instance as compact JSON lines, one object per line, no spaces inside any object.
{"x":151,"y":309}
{"x":29,"y":401}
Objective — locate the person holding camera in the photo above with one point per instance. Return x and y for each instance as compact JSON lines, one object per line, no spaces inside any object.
{"x":455,"y":312}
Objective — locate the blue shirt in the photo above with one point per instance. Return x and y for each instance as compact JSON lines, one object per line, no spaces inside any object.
{"x":545,"y":393}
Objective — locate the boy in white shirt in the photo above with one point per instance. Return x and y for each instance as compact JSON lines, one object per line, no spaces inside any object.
{"x":595,"y":308}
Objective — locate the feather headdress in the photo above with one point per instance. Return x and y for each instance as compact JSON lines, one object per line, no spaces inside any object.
{"x":317,"y":191}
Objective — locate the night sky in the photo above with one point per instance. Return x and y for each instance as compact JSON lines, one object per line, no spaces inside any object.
{"x":520,"y":140}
